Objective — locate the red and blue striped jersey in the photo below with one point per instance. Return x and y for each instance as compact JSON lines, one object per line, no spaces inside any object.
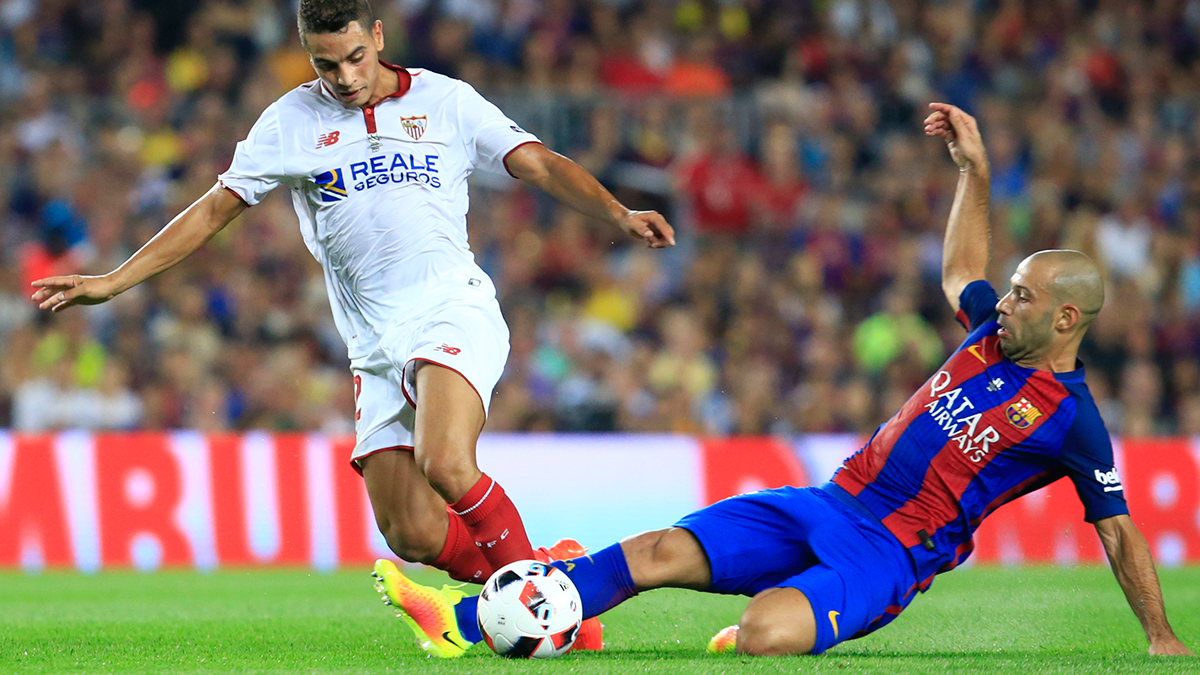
{"x":978,"y":434}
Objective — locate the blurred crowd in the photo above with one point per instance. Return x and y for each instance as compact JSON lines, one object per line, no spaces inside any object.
{"x":782,"y":138}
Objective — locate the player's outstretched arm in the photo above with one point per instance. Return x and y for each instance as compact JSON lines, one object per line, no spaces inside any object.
{"x":184,"y":234}
{"x":1134,"y":568}
{"x":967,"y":247}
{"x":572,"y":185}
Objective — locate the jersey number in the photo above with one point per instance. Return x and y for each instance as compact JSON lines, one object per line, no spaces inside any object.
{"x":357,"y":393}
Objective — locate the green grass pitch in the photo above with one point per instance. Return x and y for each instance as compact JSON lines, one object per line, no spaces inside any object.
{"x":1031,"y":620}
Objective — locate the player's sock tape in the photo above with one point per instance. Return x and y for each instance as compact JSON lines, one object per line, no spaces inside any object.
{"x":466,"y":612}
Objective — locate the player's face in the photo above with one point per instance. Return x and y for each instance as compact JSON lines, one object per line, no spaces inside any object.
{"x":348,"y":61}
{"x":1026,"y":315}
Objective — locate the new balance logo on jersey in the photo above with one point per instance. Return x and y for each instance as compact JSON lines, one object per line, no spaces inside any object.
{"x":1110,"y":480}
{"x":331,"y":185}
{"x":452,"y":351}
{"x":326,"y":140}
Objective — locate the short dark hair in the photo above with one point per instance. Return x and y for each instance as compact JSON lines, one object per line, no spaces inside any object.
{"x":331,"y":16}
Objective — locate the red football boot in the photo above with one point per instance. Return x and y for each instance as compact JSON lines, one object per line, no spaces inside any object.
{"x":563,"y":549}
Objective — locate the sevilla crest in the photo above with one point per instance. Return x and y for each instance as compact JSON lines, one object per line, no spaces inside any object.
{"x":414,"y":126}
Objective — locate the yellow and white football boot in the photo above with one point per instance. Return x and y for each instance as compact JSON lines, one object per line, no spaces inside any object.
{"x":429,"y":612}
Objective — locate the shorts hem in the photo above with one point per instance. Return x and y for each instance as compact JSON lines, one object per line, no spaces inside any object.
{"x":702,"y":538}
{"x":412,"y":402}
{"x":824,"y":641}
{"x":354,"y":461}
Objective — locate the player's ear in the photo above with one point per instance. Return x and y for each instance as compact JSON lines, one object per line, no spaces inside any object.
{"x":377,"y":33}
{"x":1068,"y":318}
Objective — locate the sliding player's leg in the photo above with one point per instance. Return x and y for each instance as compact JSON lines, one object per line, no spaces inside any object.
{"x":444,"y":620}
{"x":670,"y":558}
{"x":860,"y":580}
{"x":450,"y":416}
{"x":826,"y":604}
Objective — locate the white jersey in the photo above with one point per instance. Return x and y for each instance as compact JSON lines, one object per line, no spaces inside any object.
{"x":381,"y":192}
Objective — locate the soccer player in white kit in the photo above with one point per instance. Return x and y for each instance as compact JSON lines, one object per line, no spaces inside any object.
{"x":377,"y":158}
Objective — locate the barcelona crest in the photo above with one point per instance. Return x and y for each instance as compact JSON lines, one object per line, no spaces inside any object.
{"x":414,"y":126}
{"x":1022,"y":414}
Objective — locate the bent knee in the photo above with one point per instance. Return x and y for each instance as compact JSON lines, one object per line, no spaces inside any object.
{"x":777,"y":622}
{"x":448,"y":474}
{"x":671,"y":557}
{"x":412,"y":539}
{"x":761,"y":639}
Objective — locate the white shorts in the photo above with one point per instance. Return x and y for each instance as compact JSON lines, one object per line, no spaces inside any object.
{"x":467,"y":336}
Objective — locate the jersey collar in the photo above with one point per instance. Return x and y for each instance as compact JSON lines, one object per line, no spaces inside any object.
{"x":405,"y":81}
{"x":1076,"y":375}
{"x":1071,"y":375}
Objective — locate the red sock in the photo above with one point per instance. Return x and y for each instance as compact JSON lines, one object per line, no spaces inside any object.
{"x":494,"y":523}
{"x":460,"y":557}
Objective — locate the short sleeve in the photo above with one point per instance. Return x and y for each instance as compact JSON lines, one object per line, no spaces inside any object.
{"x":257,"y":163}
{"x":1087,"y":458}
{"x":490,"y":135}
{"x":977,"y":304}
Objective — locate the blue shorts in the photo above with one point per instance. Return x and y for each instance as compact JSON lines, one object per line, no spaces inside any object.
{"x":855,"y":573}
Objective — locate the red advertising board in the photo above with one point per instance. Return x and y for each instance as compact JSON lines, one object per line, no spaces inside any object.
{"x":192,"y":500}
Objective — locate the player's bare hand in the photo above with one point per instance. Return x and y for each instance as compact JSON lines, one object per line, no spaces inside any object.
{"x":59,"y":293}
{"x":961,"y":133}
{"x":650,"y":227}
{"x":1170,"y":647}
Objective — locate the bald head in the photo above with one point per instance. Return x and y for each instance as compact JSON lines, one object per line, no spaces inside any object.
{"x":1072,"y":278}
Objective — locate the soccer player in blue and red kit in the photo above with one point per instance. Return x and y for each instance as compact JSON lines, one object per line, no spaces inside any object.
{"x":1007,"y":414}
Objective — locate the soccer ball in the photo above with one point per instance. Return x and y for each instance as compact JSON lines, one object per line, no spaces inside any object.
{"x":529,"y":609}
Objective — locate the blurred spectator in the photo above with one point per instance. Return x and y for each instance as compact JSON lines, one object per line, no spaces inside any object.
{"x":777,"y":207}
{"x":43,"y":403}
{"x":897,"y":329}
{"x":1123,"y":239}
{"x":719,"y":181}
{"x":111,"y":405}
{"x":696,"y":72}
{"x":681,"y":365}
{"x":16,"y":311}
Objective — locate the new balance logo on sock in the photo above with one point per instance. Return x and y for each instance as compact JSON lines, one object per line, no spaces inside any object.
{"x":503,"y":536}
